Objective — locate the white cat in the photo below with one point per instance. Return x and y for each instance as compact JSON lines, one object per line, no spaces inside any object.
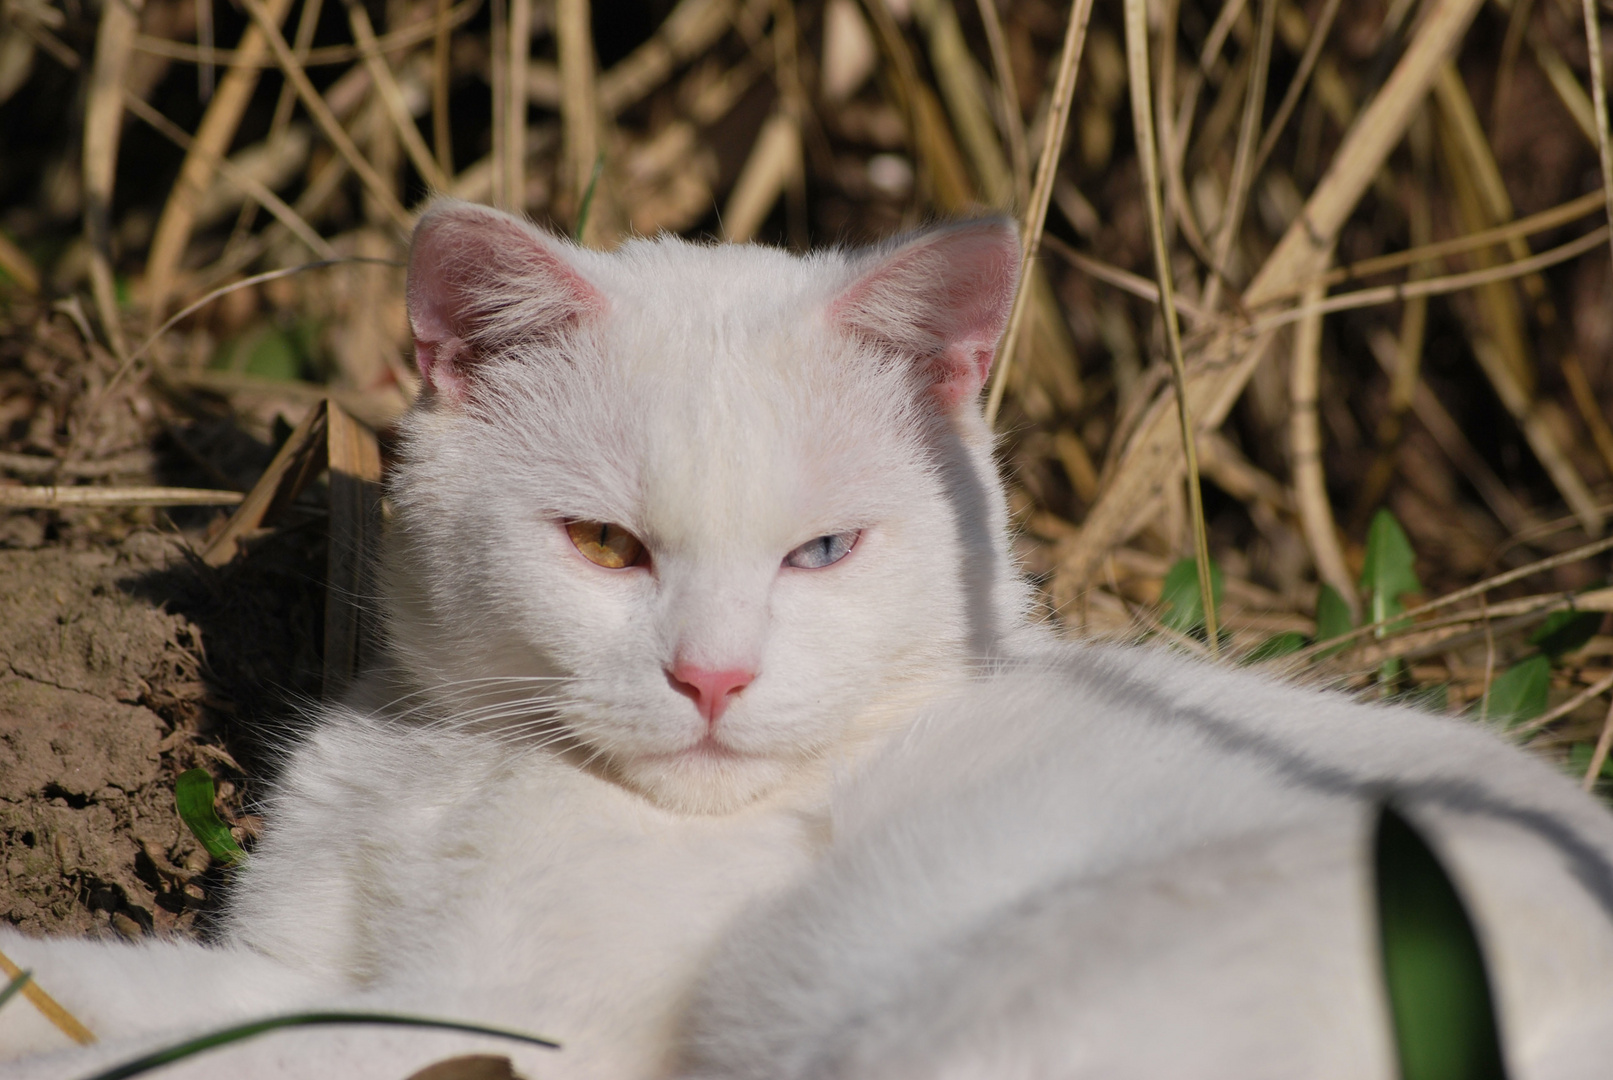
{"x":715,"y":740}
{"x":681,"y":532}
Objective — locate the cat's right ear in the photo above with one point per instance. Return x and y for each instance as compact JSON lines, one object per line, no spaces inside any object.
{"x":480,"y":280}
{"x":942,"y":299}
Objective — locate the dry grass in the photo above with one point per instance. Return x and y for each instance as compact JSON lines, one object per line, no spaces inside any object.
{"x":1373,"y":221}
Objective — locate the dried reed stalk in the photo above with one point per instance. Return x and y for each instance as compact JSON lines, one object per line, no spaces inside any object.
{"x":498,"y":45}
{"x":298,"y":460}
{"x":378,"y":188}
{"x":1476,"y":590}
{"x":1035,"y":219}
{"x":1125,"y":280}
{"x":271,"y":202}
{"x":1305,"y":448}
{"x":103,"y":126}
{"x":1593,"y":43}
{"x":1535,"y":223}
{"x":1243,"y":175}
{"x":1437,"y":286}
{"x":775,"y":158}
{"x":579,"y":113}
{"x":960,"y":82}
{"x":208,"y":147}
{"x":325,"y":56}
{"x":1296,"y":86}
{"x":520,"y":54}
{"x":391,"y":95}
{"x":441,"y":130}
{"x":1013,"y":123}
{"x":301,"y":48}
{"x":1142,"y":112}
{"x":53,"y":498}
{"x":1222,"y":367}
{"x":691,"y":28}
{"x":1604,"y":742}
{"x":1590,"y":410}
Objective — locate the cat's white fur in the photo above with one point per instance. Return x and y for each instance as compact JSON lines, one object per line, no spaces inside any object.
{"x":1115,"y":863}
{"x":924,"y":841}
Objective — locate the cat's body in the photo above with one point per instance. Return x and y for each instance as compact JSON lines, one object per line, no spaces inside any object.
{"x":1115,"y":863}
{"x":713,"y":736}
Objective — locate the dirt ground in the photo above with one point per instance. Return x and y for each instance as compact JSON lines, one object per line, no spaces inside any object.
{"x":123,"y":666}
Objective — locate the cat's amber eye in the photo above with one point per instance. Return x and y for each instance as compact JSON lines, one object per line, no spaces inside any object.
{"x":823,"y":551}
{"x":603,"y":544}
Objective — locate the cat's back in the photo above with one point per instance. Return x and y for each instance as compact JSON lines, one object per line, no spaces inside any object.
{"x":1114,"y":862}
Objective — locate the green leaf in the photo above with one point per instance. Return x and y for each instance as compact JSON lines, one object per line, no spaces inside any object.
{"x":1519,"y":692}
{"x":270,"y":351}
{"x":193,"y":795}
{"x":1332,"y":618}
{"x":235,"y":1033}
{"x":1434,"y":971}
{"x":1389,"y":570}
{"x":1579,"y":760}
{"x":1289,"y":641}
{"x":1181,"y":599}
{"x":1565,"y":631}
{"x":1332,"y":615}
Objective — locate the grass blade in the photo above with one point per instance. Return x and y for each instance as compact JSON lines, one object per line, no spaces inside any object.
{"x":1047,"y":167}
{"x":239,"y":1032}
{"x":1142,"y":112}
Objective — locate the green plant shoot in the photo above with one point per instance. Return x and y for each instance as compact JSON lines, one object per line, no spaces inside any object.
{"x":1183,"y":600}
{"x":1388,"y":573}
{"x":193,"y":796}
{"x":1519,"y":692}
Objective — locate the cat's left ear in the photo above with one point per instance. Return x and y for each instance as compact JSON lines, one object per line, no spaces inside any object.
{"x":942,"y":298}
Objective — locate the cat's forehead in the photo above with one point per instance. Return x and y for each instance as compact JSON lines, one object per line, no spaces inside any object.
{"x":713,"y":395}
{"x":672,"y":292}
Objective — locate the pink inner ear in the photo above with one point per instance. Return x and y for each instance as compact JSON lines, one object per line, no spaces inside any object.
{"x":479,"y":280}
{"x":943,"y":299}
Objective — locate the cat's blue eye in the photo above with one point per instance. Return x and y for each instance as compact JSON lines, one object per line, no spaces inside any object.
{"x":823,"y":551}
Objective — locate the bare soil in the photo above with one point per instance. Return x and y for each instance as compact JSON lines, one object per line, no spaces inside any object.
{"x":121,"y":666}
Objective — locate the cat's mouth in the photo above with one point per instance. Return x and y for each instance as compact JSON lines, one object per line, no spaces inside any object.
{"x":709,"y":748}
{"x":709,"y":776}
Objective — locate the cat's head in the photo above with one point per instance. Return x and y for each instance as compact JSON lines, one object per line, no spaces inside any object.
{"x":701,"y":514}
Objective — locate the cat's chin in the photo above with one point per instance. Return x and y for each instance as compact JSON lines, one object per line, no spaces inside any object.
{"x":700,"y":781}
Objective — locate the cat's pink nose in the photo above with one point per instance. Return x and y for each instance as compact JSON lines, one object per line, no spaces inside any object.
{"x":711,"y":691}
